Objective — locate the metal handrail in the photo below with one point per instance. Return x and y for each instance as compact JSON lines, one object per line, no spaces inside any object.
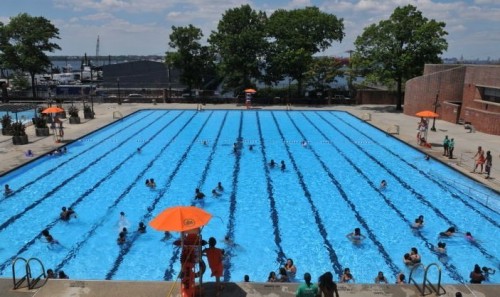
{"x":412,"y":280}
{"x":34,"y":281}
{"x":18,"y":283}
{"x":439,"y":290}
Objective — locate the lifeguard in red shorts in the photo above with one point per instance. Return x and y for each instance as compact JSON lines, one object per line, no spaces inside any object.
{"x":215,"y":257}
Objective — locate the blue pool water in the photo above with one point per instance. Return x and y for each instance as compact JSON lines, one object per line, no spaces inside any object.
{"x":329,"y":188}
{"x":24,"y":117}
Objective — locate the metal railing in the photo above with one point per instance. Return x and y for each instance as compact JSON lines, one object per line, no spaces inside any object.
{"x":427,"y":287}
{"x":27,"y":277}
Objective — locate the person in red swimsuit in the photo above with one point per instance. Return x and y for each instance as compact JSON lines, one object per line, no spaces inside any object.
{"x":215,"y":256}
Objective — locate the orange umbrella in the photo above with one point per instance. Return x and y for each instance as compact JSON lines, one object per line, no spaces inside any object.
{"x":52,"y":110}
{"x":251,"y":91}
{"x":180,"y":218}
{"x":426,"y":114}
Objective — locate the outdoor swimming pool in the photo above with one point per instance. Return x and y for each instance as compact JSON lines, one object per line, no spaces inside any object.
{"x":330,"y":187}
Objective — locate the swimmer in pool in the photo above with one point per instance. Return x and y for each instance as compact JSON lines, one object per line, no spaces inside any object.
{"x":122,"y":238}
{"x":49,"y":237}
{"x":215,"y":194}
{"x":220,"y":188}
{"x":142,"y":228}
{"x":7,"y":191}
{"x":272,"y":163}
{"x":448,"y":233}
{"x":356,"y":236}
{"x":383,"y":185}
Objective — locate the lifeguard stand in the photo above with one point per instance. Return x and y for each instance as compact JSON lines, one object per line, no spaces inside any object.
{"x":248,"y":100}
{"x":192,"y":266}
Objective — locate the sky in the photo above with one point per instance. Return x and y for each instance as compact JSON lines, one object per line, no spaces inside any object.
{"x":142,"y":27}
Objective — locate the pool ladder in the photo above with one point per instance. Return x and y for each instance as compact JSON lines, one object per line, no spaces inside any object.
{"x":28,"y":278}
{"x":427,"y":287}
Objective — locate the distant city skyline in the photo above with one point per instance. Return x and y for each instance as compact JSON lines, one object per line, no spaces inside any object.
{"x":142,"y":27}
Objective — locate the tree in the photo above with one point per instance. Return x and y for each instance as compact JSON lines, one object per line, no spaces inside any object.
{"x":297,"y":35}
{"x":395,"y":50}
{"x":193,"y":59}
{"x":240,"y":45}
{"x":23,"y":43}
{"x":323,"y":71}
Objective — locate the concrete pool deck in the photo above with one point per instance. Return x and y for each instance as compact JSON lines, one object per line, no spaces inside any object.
{"x":383,"y":117}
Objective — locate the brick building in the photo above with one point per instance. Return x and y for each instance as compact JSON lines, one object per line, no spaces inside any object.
{"x":463,"y":93}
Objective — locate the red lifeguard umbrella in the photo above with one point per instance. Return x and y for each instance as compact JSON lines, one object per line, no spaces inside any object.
{"x":180,"y":219}
{"x":53,"y":109}
{"x":250,"y":91}
{"x":427,"y":114}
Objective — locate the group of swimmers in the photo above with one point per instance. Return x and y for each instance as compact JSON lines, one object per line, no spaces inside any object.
{"x":216,"y":192}
{"x":67,"y":213}
{"x":272,"y":164}
{"x":61,"y":274}
{"x":123,"y":225}
{"x":151,"y":183}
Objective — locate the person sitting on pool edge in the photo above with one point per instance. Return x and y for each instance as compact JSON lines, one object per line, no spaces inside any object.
{"x":448,"y":233}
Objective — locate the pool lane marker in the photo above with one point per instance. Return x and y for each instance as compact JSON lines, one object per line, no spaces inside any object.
{"x":452,"y":270}
{"x":229,"y":252}
{"x":280,"y":257}
{"x":126,"y":128}
{"x":61,"y":185}
{"x":418,"y":195}
{"x":430,"y":177}
{"x":169,"y":272}
{"x":337,"y":267}
{"x":129,"y":243}
{"x":73,"y":251}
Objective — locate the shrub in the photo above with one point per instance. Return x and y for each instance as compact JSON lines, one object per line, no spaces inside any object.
{"x":18,"y":129}
{"x":6,"y":121}
{"x":40,"y":122}
{"x":73,"y":111}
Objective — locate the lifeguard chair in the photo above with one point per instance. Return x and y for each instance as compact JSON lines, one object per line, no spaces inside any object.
{"x":192,"y":266}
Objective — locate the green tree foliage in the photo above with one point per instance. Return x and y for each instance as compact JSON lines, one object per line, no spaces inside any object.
{"x":395,"y":50}
{"x":23,"y":43}
{"x":193,"y":59}
{"x":240,"y":43}
{"x":296,"y":36}
{"x":323,"y":71}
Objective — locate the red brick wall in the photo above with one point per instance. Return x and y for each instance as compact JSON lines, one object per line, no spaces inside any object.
{"x":421,"y":91}
{"x":457,"y":91}
{"x":370,"y":96}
